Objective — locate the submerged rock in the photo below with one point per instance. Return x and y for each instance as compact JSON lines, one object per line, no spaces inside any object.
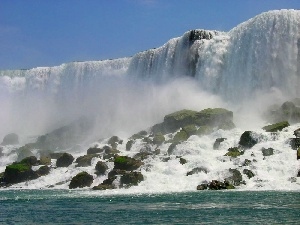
{"x":82,"y":179}
{"x":106,"y":184}
{"x":249,"y":173}
{"x":10,"y":139}
{"x":215,"y":185}
{"x":267,"y":151}
{"x":197,"y":170}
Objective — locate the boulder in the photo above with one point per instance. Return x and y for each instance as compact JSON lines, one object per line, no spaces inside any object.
{"x":94,"y":150}
{"x":196,"y":170}
{"x":171,"y":148}
{"x":298,"y":154}
{"x":106,"y":184}
{"x":158,"y":139}
{"x":246,"y":162}
{"x":218,"y":142}
{"x":180,"y":137}
{"x":139,"y":135}
{"x":247,"y":139}
{"x":85,"y":160}
{"x":249,"y":173}
{"x":56,"y":155}
{"x":294,"y":143}
{"x":82,"y":179}
{"x":190,"y":129}
{"x":31,"y":161}
{"x":276,"y":127}
{"x":131,"y":179}
{"x":18,"y":172}
{"x":235,"y":178}
{"x":45,"y":160}
{"x":23,"y":152}
{"x":129,"y":145}
{"x":65,"y":160}
{"x":215,"y":185}
{"x":101,"y":168}
{"x":43,"y":170}
{"x":182,"y":161}
{"x":287,"y":112}
{"x":297,"y":133}
{"x":234,"y":152}
{"x":142,"y":155}
{"x":10,"y":139}
{"x":126,"y":163}
{"x":298,"y":174}
{"x":66,"y":136}
{"x":114,"y":141}
{"x":267,"y":151}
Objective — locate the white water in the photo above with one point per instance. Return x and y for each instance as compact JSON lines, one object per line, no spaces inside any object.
{"x":245,"y":70}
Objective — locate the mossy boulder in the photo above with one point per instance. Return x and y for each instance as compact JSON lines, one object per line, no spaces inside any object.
{"x":267,"y":151}
{"x":190,"y":129}
{"x":204,"y":130}
{"x":10,"y":139}
{"x":185,"y":118}
{"x":276,"y":127}
{"x":180,"y":137}
{"x":217,"y":143}
{"x":131,"y":179}
{"x":82,"y":179}
{"x":31,"y":161}
{"x":101,"y":168}
{"x":65,"y":160}
{"x":158,"y":139}
{"x":248,"y":173}
{"x":234,"y":152}
{"x":126,"y":163}
{"x":247,"y":139}
{"x":85,"y":160}
{"x":18,"y":172}
{"x":139,"y":135}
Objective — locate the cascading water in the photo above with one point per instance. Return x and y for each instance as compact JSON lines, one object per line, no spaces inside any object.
{"x":257,"y":60}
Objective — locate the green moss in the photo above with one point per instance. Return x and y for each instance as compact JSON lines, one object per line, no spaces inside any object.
{"x":190,"y":129}
{"x":234,"y":152}
{"x":214,"y":111}
{"x":276,"y":127}
{"x":182,"y":114}
{"x":121,"y":159}
{"x":18,"y":167}
{"x":180,"y":136}
{"x":158,"y":139}
{"x":204,"y":130}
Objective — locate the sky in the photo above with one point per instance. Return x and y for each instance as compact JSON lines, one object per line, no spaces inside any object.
{"x":48,"y":33}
